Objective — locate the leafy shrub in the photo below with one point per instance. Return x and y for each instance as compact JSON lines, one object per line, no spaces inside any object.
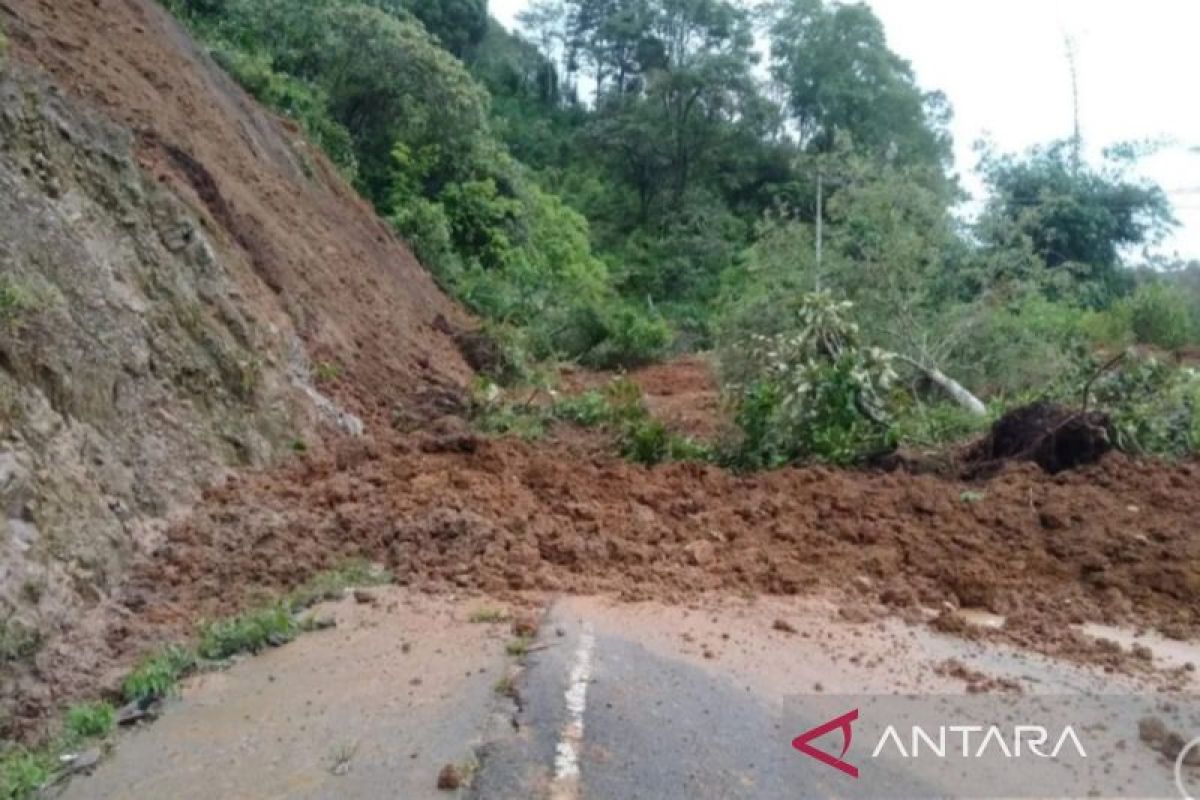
{"x":815,"y":393}
{"x":588,"y":409}
{"x":631,"y":337}
{"x":90,"y":719}
{"x":647,"y":441}
{"x":1154,"y":408}
{"x":1160,"y":316}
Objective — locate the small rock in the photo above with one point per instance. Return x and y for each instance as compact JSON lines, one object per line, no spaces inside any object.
{"x":365,"y":597}
{"x":450,"y":778}
{"x":700,"y":552}
{"x":78,"y":762}
{"x":1152,"y":731}
{"x":855,"y":614}
{"x":783,"y":625}
{"x":1140,"y":651}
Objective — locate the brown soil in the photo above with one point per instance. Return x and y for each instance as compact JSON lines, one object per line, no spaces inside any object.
{"x":1111,"y":542}
{"x":682,"y":393}
{"x":314,"y":256}
{"x":1053,"y":437}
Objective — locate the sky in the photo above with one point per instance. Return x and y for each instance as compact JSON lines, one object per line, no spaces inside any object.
{"x":1003,"y":65}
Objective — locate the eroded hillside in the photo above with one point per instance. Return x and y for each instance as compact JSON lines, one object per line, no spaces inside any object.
{"x":187,"y":287}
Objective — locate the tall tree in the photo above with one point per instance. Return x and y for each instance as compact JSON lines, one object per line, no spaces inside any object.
{"x":838,"y":74}
{"x":1078,"y":219}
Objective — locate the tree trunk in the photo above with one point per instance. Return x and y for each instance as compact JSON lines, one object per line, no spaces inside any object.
{"x":953,"y":389}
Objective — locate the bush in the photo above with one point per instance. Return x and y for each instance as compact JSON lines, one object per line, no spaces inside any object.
{"x":90,"y":719}
{"x":631,"y":337}
{"x":1154,"y":408}
{"x":23,"y":773}
{"x":813,"y":393}
{"x":647,"y":441}
{"x":1160,"y":316}
{"x":935,"y":425}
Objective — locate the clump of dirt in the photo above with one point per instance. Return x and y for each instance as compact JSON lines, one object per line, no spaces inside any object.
{"x":1053,"y":437}
{"x":1113,"y":542}
{"x":977,"y":682}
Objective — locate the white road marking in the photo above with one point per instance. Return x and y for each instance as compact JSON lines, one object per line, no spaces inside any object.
{"x":566,"y":756}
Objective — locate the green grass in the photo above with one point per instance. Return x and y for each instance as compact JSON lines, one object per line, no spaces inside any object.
{"x":331,"y":584}
{"x":23,"y":772}
{"x":506,"y":687}
{"x":488,"y":615}
{"x":90,"y":719}
{"x":518,"y":647}
{"x":250,"y":632}
{"x":158,"y":674}
{"x":15,"y":301}
{"x":325,"y":372}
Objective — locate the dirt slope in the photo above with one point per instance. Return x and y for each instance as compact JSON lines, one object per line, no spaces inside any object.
{"x":310,"y":253}
{"x":175,"y":262}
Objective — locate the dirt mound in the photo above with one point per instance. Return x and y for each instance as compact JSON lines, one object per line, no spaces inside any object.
{"x":683,"y":393}
{"x":1053,"y":437}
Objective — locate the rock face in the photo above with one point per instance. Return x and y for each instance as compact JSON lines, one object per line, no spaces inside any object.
{"x":173,"y":261}
{"x":132,"y":373}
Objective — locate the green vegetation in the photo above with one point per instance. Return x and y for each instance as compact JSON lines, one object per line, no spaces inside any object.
{"x":23,"y":772}
{"x":15,"y":301}
{"x":326,"y":372}
{"x":618,"y":408}
{"x":90,"y":719}
{"x":332,"y":584}
{"x":620,"y":180}
{"x":518,"y":647}
{"x":250,"y":632}
{"x":26,"y":771}
{"x":482,"y":616}
{"x":158,"y":674}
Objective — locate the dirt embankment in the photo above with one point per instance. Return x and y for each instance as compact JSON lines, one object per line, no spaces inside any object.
{"x":186,"y":287}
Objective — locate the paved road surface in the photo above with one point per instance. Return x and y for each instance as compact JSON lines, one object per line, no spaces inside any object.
{"x":615,"y":702}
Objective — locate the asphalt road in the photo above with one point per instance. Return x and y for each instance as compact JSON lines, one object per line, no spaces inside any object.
{"x":614,"y":702}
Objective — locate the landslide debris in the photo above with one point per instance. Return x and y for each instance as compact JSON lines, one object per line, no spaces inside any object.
{"x":1052,"y":436}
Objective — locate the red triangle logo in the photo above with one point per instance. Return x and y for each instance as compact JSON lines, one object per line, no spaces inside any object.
{"x":842,"y":723}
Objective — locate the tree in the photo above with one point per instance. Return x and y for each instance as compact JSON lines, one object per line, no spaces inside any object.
{"x":458,"y":24}
{"x":838,"y":74}
{"x":1078,"y":220}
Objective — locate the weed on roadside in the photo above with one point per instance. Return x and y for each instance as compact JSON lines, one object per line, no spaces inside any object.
{"x":488,"y":615}
{"x":250,"y":632}
{"x":332,"y":584}
{"x":158,"y":674}
{"x":518,"y":647}
{"x":90,"y":719}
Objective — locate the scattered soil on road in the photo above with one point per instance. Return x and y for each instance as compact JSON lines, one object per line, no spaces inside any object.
{"x":1113,"y":542}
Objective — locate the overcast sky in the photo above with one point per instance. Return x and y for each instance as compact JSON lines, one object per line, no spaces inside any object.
{"x":1003,"y":65}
